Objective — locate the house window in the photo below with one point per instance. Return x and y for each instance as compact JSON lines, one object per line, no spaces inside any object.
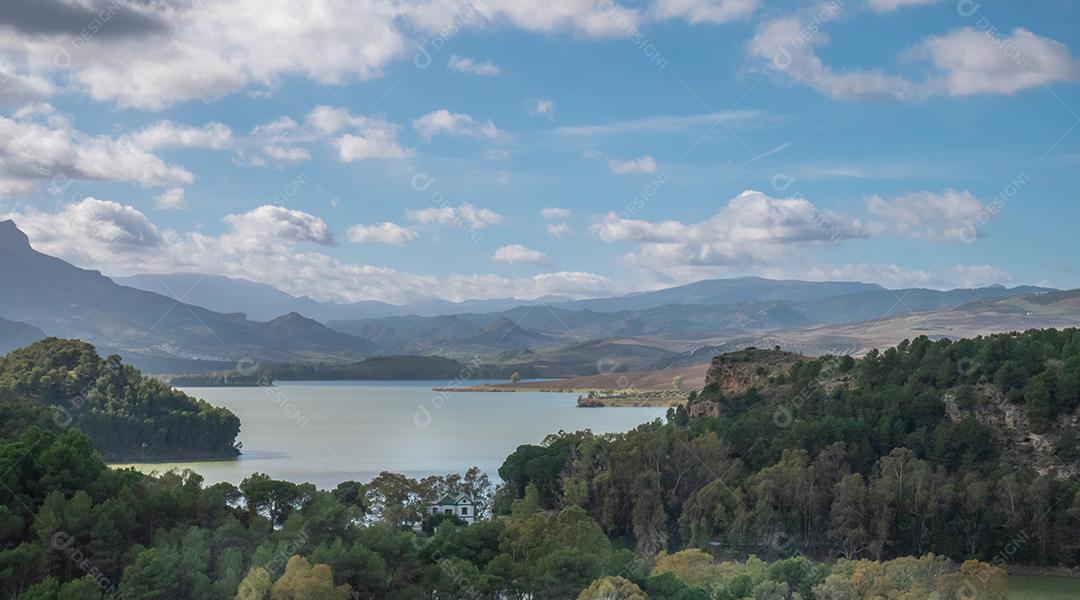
{"x":449,"y":511}
{"x":464,"y":510}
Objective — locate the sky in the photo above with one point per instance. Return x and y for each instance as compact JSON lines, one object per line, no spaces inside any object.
{"x":396,"y":150}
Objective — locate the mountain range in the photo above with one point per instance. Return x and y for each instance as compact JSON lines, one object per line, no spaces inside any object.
{"x":196,"y":323}
{"x":148,"y":329}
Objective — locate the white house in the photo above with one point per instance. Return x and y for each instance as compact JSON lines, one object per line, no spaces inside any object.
{"x":460,"y":506}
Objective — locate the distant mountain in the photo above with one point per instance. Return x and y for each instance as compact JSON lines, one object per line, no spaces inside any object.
{"x":737,"y":290}
{"x":262,"y":302}
{"x":14,"y":334}
{"x":258,"y":301}
{"x":145,"y":327}
{"x":1058,"y":309}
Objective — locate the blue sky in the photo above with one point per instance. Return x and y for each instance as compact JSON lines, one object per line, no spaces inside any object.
{"x":905,"y":142}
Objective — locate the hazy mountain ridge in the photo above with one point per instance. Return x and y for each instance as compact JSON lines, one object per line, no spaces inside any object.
{"x":638,"y":331}
{"x":16,"y":334}
{"x":66,"y":301}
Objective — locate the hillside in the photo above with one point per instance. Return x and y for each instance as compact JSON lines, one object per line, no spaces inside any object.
{"x":61,"y":383}
{"x":983,"y":317}
{"x":14,"y":334}
{"x":931,"y":446}
{"x":147,"y":328}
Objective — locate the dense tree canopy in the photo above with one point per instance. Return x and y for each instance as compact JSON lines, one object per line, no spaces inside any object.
{"x":65,"y":383}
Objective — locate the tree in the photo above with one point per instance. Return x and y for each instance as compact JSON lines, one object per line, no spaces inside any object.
{"x":255,"y":586}
{"x":612,"y":588}
{"x":847,"y":519}
{"x":302,"y":581}
{"x":153,"y":576}
{"x":692,"y":566}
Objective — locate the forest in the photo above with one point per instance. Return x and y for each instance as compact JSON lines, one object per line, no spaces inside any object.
{"x":896,"y":454}
{"x":842,"y":479}
{"x":64,"y":383}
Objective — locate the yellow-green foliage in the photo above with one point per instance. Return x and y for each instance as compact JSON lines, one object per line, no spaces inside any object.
{"x":692,"y":566}
{"x":302,"y":581}
{"x":612,"y":588}
{"x":912,"y":578}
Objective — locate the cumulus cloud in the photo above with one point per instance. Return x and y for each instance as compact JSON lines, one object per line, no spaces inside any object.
{"x":947,"y":216}
{"x":466,"y":214}
{"x":979,"y":62}
{"x":39,"y":145}
{"x":19,"y":88}
{"x":362,"y":138}
{"x":284,"y":141}
{"x":272,"y":224}
{"x":445,"y":122}
{"x":787,"y":46}
{"x":171,"y":199}
{"x":382,"y":233}
{"x":963,"y":62}
{"x":92,"y":231}
{"x":645,"y":164}
{"x":517,"y":254}
{"x":262,"y":245}
{"x":752,"y":229}
{"x":152,"y":55}
{"x":464,"y":64}
{"x":970,"y":276}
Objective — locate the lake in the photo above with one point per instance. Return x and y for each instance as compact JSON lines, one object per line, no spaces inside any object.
{"x":328,"y":432}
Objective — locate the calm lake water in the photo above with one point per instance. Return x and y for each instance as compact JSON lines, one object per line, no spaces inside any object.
{"x":328,"y":432}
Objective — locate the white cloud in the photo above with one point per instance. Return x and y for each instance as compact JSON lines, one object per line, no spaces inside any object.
{"x":883,"y":6}
{"x":382,"y":233}
{"x":752,"y":229}
{"x":466,"y":214}
{"x":518,"y":254}
{"x":970,"y":276}
{"x":286,"y":156}
{"x":463,"y":64}
{"x":20,"y":88}
{"x":645,"y":164}
{"x":559,"y":230}
{"x":179,"y":51}
{"x":284,"y":141}
{"x":542,"y":107}
{"x":965,"y":61}
{"x":947,"y":216}
{"x":363,"y":138}
{"x":555,"y":214}
{"x":92,"y":231}
{"x":272,"y":224}
{"x":166,"y":134}
{"x":976,"y":62}
{"x":705,"y":11}
{"x":787,"y":45}
{"x":445,"y":122}
{"x":261,"y":245}
{"x":39,"y":145}
{"x":171,"y":199}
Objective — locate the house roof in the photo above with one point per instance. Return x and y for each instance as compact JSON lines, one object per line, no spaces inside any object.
{"x":452,"y":500}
